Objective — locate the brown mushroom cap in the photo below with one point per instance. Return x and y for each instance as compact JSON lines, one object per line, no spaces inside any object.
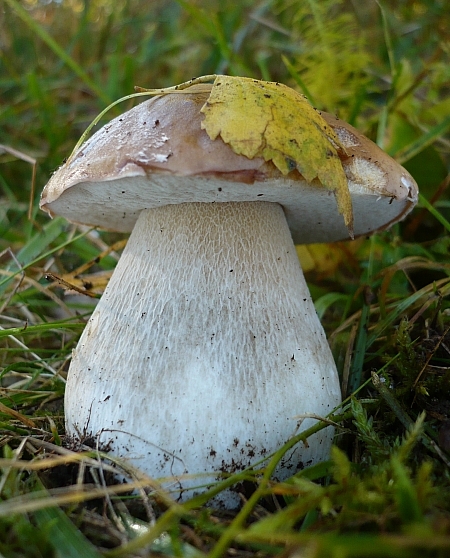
{"x":157,"y":154}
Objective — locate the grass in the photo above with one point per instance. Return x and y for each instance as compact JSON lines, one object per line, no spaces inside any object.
{"x":384,"y":302}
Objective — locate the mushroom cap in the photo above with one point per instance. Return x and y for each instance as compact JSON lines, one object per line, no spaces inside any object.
{"x":157,"y":154}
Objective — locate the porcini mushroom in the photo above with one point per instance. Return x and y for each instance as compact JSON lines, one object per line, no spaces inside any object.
{"x":205,"y":344}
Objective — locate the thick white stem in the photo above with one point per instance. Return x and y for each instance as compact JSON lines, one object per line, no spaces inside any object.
{"x":204,"y":346}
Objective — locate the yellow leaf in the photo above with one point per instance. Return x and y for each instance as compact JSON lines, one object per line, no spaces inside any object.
{"x":270,"y":120}
{"x":326,"y":260}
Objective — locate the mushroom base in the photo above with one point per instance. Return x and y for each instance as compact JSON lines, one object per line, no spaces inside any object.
{"x":204,"y":349}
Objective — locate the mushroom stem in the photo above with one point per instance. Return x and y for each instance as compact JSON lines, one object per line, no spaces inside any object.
{"x":204,"y":347}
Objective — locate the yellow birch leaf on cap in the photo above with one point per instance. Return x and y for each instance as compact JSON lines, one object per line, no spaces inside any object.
{"x":270,"y":120}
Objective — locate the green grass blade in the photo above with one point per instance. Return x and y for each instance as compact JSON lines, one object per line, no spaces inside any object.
{"x":63,"y":536}
{"x":40,"y":242}
{"x":34,"y":248}
{"x":54,"y":46}
{"x":298,"y":80}
{"x":40,"y":328}
{"x":423,"y":201}
{"x":443,"y":285}
{"x":408,"y":152}
{"x":361,"y":345}
{"x":324,"y":302}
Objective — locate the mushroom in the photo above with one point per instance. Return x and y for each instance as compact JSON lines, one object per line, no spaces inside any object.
{"x":205,"y":345}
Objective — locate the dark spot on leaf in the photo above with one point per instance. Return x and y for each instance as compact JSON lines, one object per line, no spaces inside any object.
{"x":292,"y":165}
